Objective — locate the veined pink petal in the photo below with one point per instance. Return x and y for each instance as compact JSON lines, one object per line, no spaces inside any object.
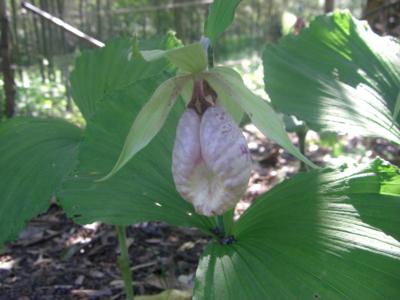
{"x":187,"y":151}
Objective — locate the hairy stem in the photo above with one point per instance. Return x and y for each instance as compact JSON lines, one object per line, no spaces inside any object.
{"x":123,"y":262}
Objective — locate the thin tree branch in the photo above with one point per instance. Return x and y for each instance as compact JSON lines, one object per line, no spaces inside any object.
{"x":67,"y":27}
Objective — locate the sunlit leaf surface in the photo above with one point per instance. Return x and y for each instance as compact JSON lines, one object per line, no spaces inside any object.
{"x":338,"y":76}
{"x":320,"y":235}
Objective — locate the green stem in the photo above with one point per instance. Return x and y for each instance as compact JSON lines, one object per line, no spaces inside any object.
{"x":123,"y":262}
{"x":220,"y":224}
{"x":210,"y":56}
{"x":302,"y":147}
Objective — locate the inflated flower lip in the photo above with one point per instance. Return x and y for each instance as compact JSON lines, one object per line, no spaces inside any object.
{"x":211,"y":162}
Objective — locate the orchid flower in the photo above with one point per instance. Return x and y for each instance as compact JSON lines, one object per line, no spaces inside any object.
{"x":222,"y":89}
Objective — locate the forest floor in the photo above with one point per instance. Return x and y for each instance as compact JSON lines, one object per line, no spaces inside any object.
{"x":57,"y":259}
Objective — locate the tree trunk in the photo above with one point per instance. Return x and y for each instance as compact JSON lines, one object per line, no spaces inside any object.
{"x":46,"y":40}
{"x":14,"y":37}
{"x":329,"y":5}
{"x":39,"y":48}
{"x":99,"y":29}
{"x":179,"y":28}
{"x":110,"y":20}
{"x":6,"y":55}
{"x":60,"y":7}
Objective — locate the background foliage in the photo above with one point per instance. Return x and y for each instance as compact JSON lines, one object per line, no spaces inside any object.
{"x":44,"y":54}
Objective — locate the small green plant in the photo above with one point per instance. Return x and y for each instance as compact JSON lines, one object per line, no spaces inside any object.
{"x":162,"y":128}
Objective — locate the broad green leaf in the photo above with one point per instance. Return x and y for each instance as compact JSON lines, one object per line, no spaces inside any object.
{"x":141,"y":191}
{"x":321,"y":235}
{"x":101,"y":71}
{"x":190,"y":58}
{"x":337,"y":75}
{"x":35,"y":154}
{"x":396,"y":109}
{"x":150,"y":120}
{"x":229,"y":86}
{"x":220,"y":17}
{"x":228,"y":219}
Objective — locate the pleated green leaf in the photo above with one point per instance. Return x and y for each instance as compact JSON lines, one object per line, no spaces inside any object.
{"x":113,"y":67}
{"x":220,"y":17}
{"x":321,"y":235}
{"x":396,"y":110}
{"x":337,"y":75}
{"x":230,"y":89}
{"x":141,"y":191}
{"x":35,"y":154}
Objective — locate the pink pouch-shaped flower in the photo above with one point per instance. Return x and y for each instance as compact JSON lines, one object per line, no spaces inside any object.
{"x":211,"y":163}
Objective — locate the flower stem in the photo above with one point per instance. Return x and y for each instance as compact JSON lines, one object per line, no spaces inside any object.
{"x":220,"y":224}
{"x":210,"y":56}
{"x":302,"y":147}
{"x":123,"y":262}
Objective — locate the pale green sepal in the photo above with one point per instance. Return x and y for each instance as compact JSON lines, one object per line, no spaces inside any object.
{"x":150,"y":120}
{"x":190,"y":58}
{"x":187,"y":92}
{"x":228,"y":84}
{"x":232,"y":107}
{"x":224,"y":99}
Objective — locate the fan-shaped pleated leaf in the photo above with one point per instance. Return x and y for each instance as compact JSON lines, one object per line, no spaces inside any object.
{"x":113,"y":67}
{"x":35,"y":155}
{"x":143,"y":189}
{"x":320,"y":235}
{"x":337,"y":75}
